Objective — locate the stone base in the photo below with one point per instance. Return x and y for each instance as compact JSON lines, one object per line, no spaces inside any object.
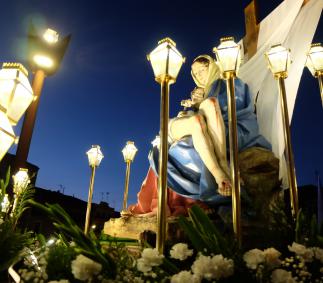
{"x":132,"y":227}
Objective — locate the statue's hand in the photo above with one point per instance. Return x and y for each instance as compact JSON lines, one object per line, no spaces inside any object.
{"x":187,"y":103}
{"x":197,"y":96}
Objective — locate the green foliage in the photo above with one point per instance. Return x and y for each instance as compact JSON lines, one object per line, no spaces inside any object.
{"x":12,"y":240}
{"x":87,"y":245}
{"x":59,"y":259}
{"x":307,"y":230}
{"x":203,"y":234}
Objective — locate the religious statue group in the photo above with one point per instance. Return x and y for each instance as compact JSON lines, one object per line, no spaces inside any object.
{"x":198,"y":169}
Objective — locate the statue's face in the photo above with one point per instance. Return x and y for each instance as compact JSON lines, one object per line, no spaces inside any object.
{"x":200,"y":72}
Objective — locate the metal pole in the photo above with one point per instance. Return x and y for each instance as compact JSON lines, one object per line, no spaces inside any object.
{"x":234,"y":161}
{"x":126,"y":186}
{"x":320,"y":78}
{"x":162,"y":174}
{"x":29,"y":122}
{"x":288,"y":148}
{"x":89,"y":202}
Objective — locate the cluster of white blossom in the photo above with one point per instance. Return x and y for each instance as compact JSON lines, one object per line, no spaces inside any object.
{"x":256,"y":257}
{"x":206,"y":267}
{"x":180,"y":251}
{"x":307,"y":254}
{"x":149,"y":259}
{"x":84,"y":268}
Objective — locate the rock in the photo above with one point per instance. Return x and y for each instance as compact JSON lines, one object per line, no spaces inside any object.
{"x":259,"y":169}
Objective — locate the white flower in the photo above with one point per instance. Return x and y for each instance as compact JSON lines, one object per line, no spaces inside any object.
{"x":282,"y":276}
{"x":253,"y":258}
{"x":318,"y":254}
{"x":152,"y":256}
{"x":180,"y":251}
{"x":83,"y":268}
{"x":272,"y":257}
{"x":143,"y":266}
{"x":224,"y":265}
{"x":149,"y":258}
{"x":185,"y":276}
{"x":302,"y":251}
{"x":214,"y":267}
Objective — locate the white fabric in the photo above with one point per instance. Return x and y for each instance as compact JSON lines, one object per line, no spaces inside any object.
{"x":293,"y":26}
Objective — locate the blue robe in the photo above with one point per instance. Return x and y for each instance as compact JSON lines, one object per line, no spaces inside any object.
{"x":187,"y":175}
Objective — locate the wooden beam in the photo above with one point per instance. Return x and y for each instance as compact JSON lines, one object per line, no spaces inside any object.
{"x":252,"y":29}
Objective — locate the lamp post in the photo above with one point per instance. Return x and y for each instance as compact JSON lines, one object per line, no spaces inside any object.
{"x":279,"y":61}
{"x":45,"y":53}
{"x":95,"y":156}
{"x":228,"y":55}
{"x":166,"y":62}
{"x":129,"y":152}
{"x":20,"y":182}
{"x":314,"y":63}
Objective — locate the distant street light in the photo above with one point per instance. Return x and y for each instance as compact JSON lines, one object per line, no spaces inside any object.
{"x":129,"y":152}
{"x":7,"y":135}
{"x":228,"y":55}
{"x":279,"y":61}
{"x":5,"y":203}
{"x":166,"y":62}
{"x":314,"y":63}
{"x":45,"y":54}
{"x":20,"y":182}
{"x":95,"y":156}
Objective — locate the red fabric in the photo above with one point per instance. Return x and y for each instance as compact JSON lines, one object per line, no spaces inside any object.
{"x":148,"y":199}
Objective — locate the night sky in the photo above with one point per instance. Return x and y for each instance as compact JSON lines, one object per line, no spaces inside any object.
{"x":105,"y":91}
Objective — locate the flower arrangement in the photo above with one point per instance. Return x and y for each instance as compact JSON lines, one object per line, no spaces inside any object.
{"x":209,"y":255}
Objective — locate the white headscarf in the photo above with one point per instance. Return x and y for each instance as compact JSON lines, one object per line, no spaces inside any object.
{"x":213,"y":74}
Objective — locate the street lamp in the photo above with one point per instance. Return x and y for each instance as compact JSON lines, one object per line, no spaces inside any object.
{"x":314,"y":63}
{"x":7,"y":135}
{"x":20,"y":182}
{"x":228,"y":56}
{"x":45,"y":54}
{"x":16,"y":93}
{"x":95,"y":156}
{"x":129,"y":152}
{"x":279,"y":61}
{"x":166,"y":62}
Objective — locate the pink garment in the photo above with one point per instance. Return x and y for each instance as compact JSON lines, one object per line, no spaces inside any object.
{"x":148,"y":199}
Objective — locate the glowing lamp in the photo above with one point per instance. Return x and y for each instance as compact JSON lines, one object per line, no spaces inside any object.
{"x":43,"y":61}
{"x":166,"y":61}
{"x":51,"y":36}
{"x":314,"y":60}
{"x":95,"y":156}
{"x":5,"y":203}
{"x":16,"y":93}
{"x":228,"y":55}
{"x":20,"y":180}
{"x":129,"y":151}
{"x":7,"y":135}
{"x":279,"y":60}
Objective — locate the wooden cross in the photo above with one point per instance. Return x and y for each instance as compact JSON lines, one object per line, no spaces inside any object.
{"x":252,"y":28}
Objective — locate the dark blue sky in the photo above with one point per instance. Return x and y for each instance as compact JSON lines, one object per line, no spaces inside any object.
{"x":105,"y":91}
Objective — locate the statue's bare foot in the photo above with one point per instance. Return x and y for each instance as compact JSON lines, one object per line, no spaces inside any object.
{"x":224,"y":185}
{"x":225,"y":188}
